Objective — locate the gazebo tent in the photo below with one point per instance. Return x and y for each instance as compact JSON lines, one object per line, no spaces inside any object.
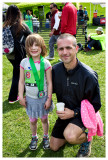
{"x":102,"y":4}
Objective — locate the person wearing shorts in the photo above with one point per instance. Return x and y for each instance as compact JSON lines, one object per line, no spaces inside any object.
{"x":73,"y":82}
{"x":60,"y":126}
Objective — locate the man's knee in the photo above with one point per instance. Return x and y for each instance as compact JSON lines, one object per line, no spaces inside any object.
{"x":53,"y":147}
{"x":70,"y":138}
{"x":56,"y":143}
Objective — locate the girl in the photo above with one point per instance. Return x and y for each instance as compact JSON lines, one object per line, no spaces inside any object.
{"x":35,"y":73}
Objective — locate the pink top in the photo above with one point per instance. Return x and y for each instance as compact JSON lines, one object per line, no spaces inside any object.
{"x":91,"y":120}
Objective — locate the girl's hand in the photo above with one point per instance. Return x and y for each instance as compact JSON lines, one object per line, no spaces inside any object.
{"x":22,"y":101}
{"x":47,"y":104}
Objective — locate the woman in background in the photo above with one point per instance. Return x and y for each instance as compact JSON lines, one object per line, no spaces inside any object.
{"x":19,"y":31}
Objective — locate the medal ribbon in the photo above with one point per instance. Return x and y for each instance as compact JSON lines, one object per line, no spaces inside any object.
{"x":39,"y":81}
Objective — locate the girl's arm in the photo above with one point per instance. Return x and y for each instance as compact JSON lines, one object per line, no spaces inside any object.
{"x":49,"y":85}
{"x":22,"y":100}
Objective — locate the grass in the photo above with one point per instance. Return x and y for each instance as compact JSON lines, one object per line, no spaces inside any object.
{"x":16,"y":126}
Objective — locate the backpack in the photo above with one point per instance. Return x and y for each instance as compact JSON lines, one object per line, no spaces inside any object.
{"x":20,"y":51}
{"x":8,"y":41}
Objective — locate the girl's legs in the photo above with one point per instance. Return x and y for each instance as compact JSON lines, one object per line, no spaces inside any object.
{"x":45,"y":124}
{"x":33,"y":126}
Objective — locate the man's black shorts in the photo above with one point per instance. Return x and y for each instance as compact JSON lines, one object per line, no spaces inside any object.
{"x":60,"y":126}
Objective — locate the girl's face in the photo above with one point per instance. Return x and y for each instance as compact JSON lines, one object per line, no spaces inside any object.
{"x":35,"y":50}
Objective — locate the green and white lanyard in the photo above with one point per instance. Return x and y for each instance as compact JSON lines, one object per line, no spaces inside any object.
{"x":39,"y":81}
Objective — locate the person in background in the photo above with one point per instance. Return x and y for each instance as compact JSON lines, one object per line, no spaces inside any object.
{"x":73,"y":81}
{"x":96,"y":40}
{"x":80,"y":14}
{"x":35,"y":24}
{"x":85,"y":12}
{"x":55,"y":30}
{"x":86,"y":17}
{"x":28,"y":15}
{"x":48,"y":16}
{"x":48,"y":20}
{"x":19,"y":30}
{"x":38,"y":88}
{"x":69,"y":19}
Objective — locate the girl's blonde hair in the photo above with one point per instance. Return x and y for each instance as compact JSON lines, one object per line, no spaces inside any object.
{"x":35,"y":38}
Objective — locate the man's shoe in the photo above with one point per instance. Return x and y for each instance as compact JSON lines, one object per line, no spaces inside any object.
{"x":46,"y":144}
{"x":87,"y":49}
{"x":33,"y":144}
{"x":85,"y":150}
{"x":49,"y":58}
{"x":12,"y":102}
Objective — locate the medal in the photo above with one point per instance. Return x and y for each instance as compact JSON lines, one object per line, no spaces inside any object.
{"x":41,"y":94}
{"x":39,"y":80}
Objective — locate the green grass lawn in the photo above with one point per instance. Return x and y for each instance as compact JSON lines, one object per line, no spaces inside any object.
{"x":16,"y":126}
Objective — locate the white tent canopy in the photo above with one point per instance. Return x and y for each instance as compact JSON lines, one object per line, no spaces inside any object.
{"x":102,"y":4}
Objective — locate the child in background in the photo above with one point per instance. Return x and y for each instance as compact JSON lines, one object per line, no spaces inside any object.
{"x":36,"y":75}
{"x":36,"y":24}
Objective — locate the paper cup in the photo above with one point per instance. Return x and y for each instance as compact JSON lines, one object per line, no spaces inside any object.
{"x":60,"y":106}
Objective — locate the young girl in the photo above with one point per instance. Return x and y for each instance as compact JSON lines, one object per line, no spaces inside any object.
{"x":35,"y":74}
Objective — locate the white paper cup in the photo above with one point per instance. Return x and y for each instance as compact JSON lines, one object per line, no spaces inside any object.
{"x":60,"y":106}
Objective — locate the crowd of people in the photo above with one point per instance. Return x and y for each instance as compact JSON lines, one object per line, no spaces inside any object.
{"x":35,"y":80}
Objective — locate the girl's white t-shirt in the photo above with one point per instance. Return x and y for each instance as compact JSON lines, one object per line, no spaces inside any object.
{"x":30,"y":83}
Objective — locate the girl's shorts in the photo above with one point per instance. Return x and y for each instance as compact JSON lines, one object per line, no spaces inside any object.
{"x":35,"y":107}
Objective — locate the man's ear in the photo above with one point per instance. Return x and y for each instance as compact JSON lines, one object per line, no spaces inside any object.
{"x":77,"y":47}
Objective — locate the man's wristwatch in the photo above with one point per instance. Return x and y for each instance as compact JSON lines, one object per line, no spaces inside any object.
{"x":75,"y":113}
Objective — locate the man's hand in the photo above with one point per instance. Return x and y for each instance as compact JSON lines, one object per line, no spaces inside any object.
{"x":51,"y":33}
{"x":66,"y":114}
